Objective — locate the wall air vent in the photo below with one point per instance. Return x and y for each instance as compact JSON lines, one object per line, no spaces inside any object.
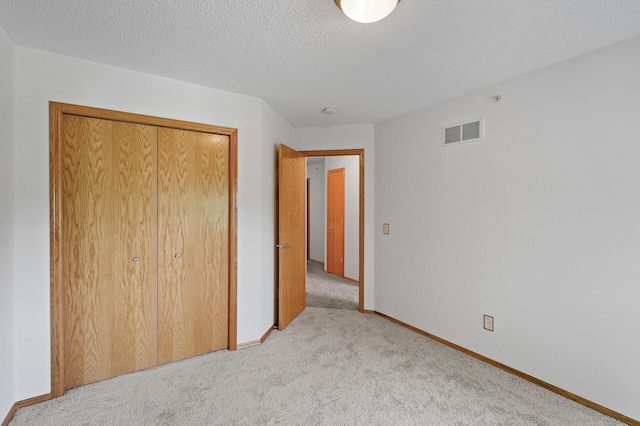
{"x":463,"y":132}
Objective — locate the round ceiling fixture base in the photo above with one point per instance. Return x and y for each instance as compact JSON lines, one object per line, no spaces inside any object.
{"x":367,"y":11}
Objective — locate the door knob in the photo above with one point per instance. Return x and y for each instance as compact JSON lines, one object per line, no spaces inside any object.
{"x":135,"y":259}
{"x":283,"y":246}
{"x":177,"y":255}
{"x":330,"y":229}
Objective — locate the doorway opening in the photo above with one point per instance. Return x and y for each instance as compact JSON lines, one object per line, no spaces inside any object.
{"x":312,"y":158}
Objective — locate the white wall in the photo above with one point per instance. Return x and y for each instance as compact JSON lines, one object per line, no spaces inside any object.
{"x":41,"y":77}
{"x":318,"y":211}
{"x":275,"y":131}
{"x":538,"y":225}
{"x":351,"y":165}
{"x":7,"y":219}
{"x":350,"y":137}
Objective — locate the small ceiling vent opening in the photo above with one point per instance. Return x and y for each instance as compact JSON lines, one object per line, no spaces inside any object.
{"x":462,"y":133}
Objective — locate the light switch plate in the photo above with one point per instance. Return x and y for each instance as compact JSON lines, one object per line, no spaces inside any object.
{"x":488,"y":323}
{"x":385,"y":228}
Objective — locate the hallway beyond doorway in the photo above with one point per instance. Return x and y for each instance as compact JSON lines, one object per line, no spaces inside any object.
{"x":329,"y":291}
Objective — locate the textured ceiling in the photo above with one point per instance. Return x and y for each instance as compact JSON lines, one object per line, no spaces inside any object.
{"x":303,"y":55}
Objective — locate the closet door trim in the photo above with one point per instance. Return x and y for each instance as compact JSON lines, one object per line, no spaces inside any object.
{"x":56,"y":112}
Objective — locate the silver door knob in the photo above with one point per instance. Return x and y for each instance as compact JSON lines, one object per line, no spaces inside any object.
{"x":177,"y":255}
{"x":283,"y":246}
{"x":136,"y":259}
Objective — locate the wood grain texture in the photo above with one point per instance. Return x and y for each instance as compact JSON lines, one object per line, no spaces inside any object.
{"x":134,"y":346}
{"x":233,"y":241}
{"x":361,"y":234}
{"x":56,"y":176}
{"x":580,"y":400}
{"x":60,"y":108}
{"x":57,"y":113}
{"x":308,"y":192}
{"x":292,"y":266}
{"x":276,"y":235}
{"x":359,"y":152}
{"x":335,"y":222}
{"x":193,"y":272}
{"x":108,"y":211}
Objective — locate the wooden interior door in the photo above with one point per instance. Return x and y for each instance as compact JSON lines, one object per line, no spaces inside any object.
{"x":308,"y":225}
{"x":193,"y":259}
{"x":292,"y":264}
{"x":109,"y":248}
{"x":335,"y":222}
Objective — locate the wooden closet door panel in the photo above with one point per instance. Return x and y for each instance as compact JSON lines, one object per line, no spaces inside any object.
{"x":109,"y":217}
{"x":135,"y":230}
{"x":193,"y":265}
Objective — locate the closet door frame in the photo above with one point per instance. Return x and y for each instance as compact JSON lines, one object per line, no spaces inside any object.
{"x":56,"y":112}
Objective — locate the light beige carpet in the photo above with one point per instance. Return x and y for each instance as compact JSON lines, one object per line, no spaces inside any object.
{"x":329,"y":367}
{"x":329,"y":291}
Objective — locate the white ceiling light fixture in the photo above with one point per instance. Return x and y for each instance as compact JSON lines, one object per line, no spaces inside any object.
{"x":367,"y":11}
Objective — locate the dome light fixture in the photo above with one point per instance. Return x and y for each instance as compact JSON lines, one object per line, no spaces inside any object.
{"x":367,"y":11}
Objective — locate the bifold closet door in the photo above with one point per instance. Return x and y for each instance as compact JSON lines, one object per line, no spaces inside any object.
{"x":109,"y":247}
{"x":193,"y":232}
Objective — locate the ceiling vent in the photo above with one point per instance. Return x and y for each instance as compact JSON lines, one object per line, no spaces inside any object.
{"x":461,"y":133}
